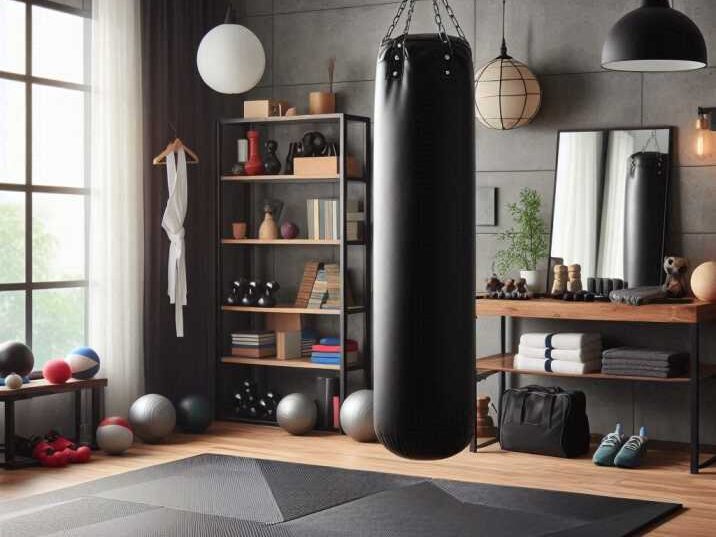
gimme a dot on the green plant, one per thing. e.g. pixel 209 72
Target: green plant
pixel 527 241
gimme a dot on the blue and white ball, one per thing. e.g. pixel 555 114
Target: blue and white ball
pixel 83 362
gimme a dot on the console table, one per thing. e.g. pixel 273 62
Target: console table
pixel 38 388
pixel 693 315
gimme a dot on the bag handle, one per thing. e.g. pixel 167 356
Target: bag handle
pixel 438 20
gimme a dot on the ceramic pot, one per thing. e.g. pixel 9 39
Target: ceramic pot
pixel 536 280
pixel 254 166
pixel 321 102
pixel 238 229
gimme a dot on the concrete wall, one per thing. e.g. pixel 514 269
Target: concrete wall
pixel 561 41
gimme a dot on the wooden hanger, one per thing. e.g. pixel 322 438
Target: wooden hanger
pixel 173 147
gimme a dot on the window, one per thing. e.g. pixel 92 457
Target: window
pixel 44 163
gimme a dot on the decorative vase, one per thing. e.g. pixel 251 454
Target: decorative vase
pixel 321 102
pixel 272 166
pixel 268 230
pixel 536 280
pixel 254 166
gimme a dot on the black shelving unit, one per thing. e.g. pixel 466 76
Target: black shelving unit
pixel 236 201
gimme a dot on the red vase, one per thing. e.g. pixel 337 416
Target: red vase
pixel 254 166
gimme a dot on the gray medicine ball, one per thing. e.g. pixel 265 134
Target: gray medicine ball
pixel 152 417
pixel 357 416
pixel 297 413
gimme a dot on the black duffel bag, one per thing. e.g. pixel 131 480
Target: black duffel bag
pixel 546 421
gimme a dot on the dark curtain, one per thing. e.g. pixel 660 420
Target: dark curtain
pixel 175 95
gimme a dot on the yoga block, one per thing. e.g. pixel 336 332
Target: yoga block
pixel 288 345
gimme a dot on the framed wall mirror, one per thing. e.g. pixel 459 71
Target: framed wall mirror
pixel 611 196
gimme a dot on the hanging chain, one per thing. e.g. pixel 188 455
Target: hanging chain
pixel 396 19
pixel 439 21
pixel 410 17
pixel 453 18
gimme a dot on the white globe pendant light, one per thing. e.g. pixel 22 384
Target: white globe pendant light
pixel 507 93
pixel 230 57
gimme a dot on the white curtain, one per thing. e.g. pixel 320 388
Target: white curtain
pixel 116 200
pixel 611 245
pixel 576 202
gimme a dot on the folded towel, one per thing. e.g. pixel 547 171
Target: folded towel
pixel 587 354
pixel 653 355
pixel 643 373
pixel 351 345
pixel 561 340
pixel 556 366
pixel 642 364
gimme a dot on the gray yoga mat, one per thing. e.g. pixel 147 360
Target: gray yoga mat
pixel 223 496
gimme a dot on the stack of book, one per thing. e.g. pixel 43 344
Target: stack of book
pixel 253 344
pixel 328 351
pixel 319 293
pixel 310 271
pixel 333 287
pixel 323 219
pixel 308 339
pixel 321 287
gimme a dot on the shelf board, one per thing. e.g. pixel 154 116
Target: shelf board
pixel 281 178
pixel 504 362
pixel 290 309
pixel 298 363
pixel 283 242
pixel 549 308
pixel 303 118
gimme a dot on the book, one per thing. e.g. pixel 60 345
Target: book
pixel 355 217
pixel 318 293
pixel 333 286
pixel 262 352
pixel 288 345
pixel 310 271
pixel 335 359
pixel 354 231
pixel 351 345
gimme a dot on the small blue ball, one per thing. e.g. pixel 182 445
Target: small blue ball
pixel 84 363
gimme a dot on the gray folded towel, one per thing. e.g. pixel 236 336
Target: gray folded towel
pixel 623 367
pixel 642 373
pixel 641 354
pixel 642 364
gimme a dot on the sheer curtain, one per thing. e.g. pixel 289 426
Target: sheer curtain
pixel 116 201
pixel 576 203
pixel 611 246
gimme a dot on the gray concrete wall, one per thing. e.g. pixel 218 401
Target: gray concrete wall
pixel 561 41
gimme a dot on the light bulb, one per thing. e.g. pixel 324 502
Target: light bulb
pixel 703 135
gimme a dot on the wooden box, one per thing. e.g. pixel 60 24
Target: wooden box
pixel 264 108
pixel 321 166
pixel 288 345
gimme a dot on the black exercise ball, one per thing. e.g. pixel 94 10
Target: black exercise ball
pixel 15 357
pixel 194 414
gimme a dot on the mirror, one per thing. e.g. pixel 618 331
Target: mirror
pixel 610 203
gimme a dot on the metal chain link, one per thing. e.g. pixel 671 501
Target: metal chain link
pixel 439 21
pixel 396 19
pixel 453 18
pixel 410 17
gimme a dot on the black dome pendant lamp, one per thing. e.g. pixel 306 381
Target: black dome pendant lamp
pixel 654 38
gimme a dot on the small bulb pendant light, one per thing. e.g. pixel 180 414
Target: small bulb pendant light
pixel 507 94
pixel 654 37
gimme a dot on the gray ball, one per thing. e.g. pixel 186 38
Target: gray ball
pixel 297 413
pixel 357 416
pixel 152 417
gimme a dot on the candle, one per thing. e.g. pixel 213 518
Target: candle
pixel 243 149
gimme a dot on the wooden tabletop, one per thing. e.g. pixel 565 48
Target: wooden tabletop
pixel 550 308
pixel 41 387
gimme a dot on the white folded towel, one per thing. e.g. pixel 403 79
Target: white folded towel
pixel 586 354
pixel 560 340
pixel 556 366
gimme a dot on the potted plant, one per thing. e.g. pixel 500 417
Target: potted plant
pixel 324 102
pixel 526 241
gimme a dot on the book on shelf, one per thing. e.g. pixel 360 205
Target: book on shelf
pixel 319 291
pixel 323 218
pixel 354 231
pixel 333 286
pixel 255 352
pixel 310 271
pixel 335 359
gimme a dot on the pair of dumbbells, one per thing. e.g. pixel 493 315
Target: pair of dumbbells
pixel 601 287
pixel 245 292
pixel 248 404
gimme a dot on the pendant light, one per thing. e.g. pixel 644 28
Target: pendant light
pixel 654 37
pixel 507 94
pixel 230 57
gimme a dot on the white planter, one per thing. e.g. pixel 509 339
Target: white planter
pixel 536 280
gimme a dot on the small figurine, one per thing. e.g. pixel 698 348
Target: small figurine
pixel 675 286
pixel 509 287
pixel 522 291
pixel 493 286
pixel 272 165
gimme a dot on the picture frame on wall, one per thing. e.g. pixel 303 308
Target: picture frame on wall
pixel 486 206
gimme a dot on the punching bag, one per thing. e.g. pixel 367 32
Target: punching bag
pixel 644 218
pixel 423 299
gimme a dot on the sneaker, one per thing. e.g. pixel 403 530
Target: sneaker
pixel 633 451
pixel 609 447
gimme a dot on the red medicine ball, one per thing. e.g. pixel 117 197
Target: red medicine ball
pixel 56 371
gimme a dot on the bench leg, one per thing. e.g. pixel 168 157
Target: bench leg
pixel 9 434
pixel 78 416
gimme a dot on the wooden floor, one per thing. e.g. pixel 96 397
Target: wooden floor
pixel 665 478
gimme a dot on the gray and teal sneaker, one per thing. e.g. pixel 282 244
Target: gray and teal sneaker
pixel 609 447
pixel 633 451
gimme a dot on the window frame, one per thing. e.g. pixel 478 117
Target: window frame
pixel 28 286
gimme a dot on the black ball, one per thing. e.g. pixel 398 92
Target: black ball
pixel 194 414
pixel 15 357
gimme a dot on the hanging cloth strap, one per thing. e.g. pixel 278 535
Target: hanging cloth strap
pixel 173 224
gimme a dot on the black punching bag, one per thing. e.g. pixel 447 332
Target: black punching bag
pixel 644 224
pixel 423 298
